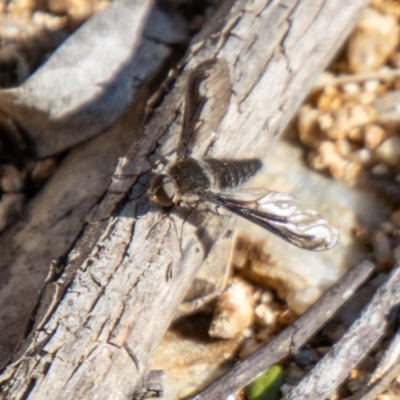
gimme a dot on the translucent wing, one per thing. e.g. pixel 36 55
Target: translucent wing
pixel 207 98
pixel 277 213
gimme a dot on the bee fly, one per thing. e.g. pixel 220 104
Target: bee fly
pixel 215 180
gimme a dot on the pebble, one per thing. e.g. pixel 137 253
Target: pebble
pixel 325 121
pixel 330 99
pixel 371 86
pixel 388 103
pixel 361 115
pixel 355 134
pixel 372 42
pixel 387 226
pixel 380 169
pixel 351 89
pixel 285 388
pixel 233 312
pixel 306 357
pixel 42 170
pixel 357 381
pixel 364 156
pixel 373 136
pixel 267 297
pixel 382 249
pixel 265 316
pixel 334 333
pixel 344 147
pixel 12 180
pixel 294 373
pixel 367 98
pixel 384 397
pixel 287 318
pixel 389 151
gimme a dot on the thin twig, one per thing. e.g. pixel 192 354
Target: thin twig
pixel 387 369
pixel 389 118
pixel 382 75
pixel 292 338
pixel 335 367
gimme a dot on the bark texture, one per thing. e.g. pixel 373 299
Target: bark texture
pixel 101 319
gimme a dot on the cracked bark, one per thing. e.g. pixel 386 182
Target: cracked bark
pixel 118 293
pixel 54 219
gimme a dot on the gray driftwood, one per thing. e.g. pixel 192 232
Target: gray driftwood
pixel 102 319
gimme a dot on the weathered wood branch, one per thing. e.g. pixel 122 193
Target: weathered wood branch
pixel 130 269
pixel 54 219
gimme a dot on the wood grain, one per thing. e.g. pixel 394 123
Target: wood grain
pixel 128 277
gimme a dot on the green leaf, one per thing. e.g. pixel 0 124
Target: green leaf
pixel 267 386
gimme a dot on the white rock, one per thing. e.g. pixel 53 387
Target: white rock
pixel 234 311
pixel 389 150
pixel 373 41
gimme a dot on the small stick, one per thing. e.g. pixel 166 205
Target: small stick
pixel 389 117
pixel 387 369
pixel 335 367
pixel 292 338
pixel 382 75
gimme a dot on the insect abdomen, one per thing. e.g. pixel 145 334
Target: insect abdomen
pixel 228 173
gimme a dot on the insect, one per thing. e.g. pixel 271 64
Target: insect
pixel 217 180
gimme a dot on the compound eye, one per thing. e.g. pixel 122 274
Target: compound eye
pixel 162 190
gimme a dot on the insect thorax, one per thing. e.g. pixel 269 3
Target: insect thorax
pixel 191 176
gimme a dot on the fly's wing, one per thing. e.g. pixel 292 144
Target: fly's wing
pixel 207 99
pixel 277 213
